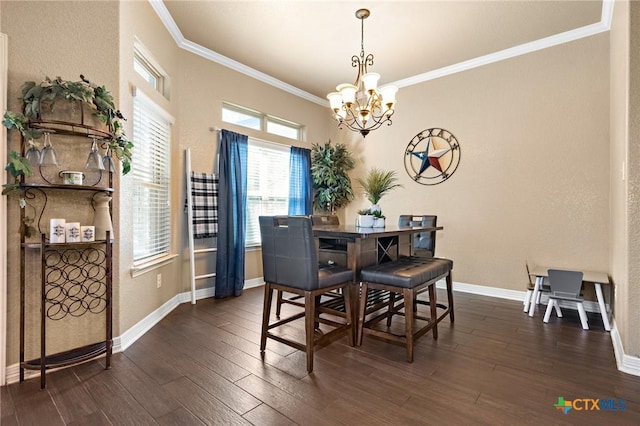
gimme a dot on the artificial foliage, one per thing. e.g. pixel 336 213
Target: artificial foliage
pixel 330 166
pixel 378 182
pixel 38 96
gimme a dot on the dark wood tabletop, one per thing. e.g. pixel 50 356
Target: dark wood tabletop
pixel 353 232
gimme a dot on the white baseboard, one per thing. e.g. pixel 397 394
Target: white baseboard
pixel 503 293
pixel 625 363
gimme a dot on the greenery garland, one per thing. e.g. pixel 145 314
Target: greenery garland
pixel 48 91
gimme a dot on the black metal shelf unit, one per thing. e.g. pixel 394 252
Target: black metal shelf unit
pixel 76 278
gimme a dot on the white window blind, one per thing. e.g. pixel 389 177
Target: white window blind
pixel 267 185
pixel 151 173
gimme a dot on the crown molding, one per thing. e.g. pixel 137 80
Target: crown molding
pixel 190 46
pixel 534 46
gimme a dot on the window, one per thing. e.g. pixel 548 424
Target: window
pixel 252 119
pixel 149 69
pixel 241 117
pixel 267 185
pixel 151 174
pixel 142 68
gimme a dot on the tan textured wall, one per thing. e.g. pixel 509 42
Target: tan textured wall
pixel 533 181
pixel 631 338
pixel 139 296
pixel 619 63
pixel 38 48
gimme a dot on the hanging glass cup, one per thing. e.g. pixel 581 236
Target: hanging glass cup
pixel 48 156
pixel 33 153
pixel 94 161
pixel 107 162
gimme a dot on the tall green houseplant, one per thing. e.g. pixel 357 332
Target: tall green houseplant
pixel 330 165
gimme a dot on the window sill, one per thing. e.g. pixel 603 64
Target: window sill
pixel 151 264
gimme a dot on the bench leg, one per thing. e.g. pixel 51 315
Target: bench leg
pixel 434 312
pixel 361 313
pixel 450 296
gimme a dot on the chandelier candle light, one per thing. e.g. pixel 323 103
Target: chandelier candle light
pixel 363 106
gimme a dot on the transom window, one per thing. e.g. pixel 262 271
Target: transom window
pixel 257 120
pixel 149 69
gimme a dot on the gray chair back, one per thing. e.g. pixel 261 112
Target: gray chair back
pixel 423 242
pixel 289 255
pixel 330 219
pixel 565 283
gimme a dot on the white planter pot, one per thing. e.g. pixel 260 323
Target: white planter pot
pixel 374 208
pixel 364 221
pixel 378 222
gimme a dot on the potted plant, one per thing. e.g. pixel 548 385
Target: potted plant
pixel 330 165
pixel 378 219
pixel 365 219
pixel 376 183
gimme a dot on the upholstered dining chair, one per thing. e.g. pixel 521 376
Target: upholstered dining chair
pixel 424 243
pixel 290 263
pixel 565 285
pixel 328 219
pixel 326 246
pixel 424 248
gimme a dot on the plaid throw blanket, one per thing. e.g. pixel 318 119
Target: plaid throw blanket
pixel 204 197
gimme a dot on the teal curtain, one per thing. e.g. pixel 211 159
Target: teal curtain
pixel 232 202
pixel 300 183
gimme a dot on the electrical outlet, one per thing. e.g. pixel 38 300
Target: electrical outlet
pixel 158 280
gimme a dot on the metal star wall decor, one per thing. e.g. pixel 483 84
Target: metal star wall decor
pixel 432 156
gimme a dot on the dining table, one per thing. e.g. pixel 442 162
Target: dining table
pixel 357 247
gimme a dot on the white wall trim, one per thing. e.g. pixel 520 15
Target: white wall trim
pixel 624 363
pixel 127 338
pixel 604 25
pixel 3 213
pixel 503 293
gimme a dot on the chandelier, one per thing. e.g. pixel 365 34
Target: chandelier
pixel 363 106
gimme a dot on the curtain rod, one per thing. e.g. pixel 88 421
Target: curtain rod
pixel 218 129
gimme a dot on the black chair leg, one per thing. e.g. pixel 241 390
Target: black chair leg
pixel 278 302
pixel 309 320
pixel 266 313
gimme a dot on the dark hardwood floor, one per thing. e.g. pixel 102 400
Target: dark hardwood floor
pixel 202 365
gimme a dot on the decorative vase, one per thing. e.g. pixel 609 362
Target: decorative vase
pixel 378 222
pixel 364 221
pixel 102 217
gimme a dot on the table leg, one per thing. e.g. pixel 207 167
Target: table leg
pixel 603 307
pixel 534 297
